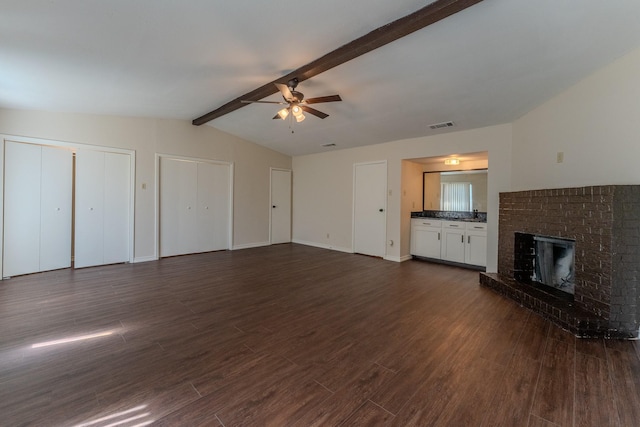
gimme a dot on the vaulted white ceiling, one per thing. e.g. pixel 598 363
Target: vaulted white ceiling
pixel 487 65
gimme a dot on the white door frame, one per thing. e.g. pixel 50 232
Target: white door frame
pixel 159 156
pixel 386 199
pixel 73 146
pixel 271 199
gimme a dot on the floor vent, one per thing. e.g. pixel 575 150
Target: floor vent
pixel 441 125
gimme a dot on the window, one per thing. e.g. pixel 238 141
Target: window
pixel 456 196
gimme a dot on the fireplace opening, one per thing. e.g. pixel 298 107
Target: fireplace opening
pixel 545 261
pixel 554 263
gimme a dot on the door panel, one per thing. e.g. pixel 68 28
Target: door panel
pixel 116 207
pixel 188 241
pixel 56 205
pixel 280 206
pixel 22 175
pixel 370 195
pixel 213 206
pixel 89 208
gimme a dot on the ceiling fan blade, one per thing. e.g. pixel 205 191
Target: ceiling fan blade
pixel 277 116
pixel 244 101
pixel 314 111
pixel 286 92
pixel 319 99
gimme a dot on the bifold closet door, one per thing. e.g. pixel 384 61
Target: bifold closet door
pixel 194 206
pixel 101 208
pixel 213 206
pixel 178 206
pixel 37 208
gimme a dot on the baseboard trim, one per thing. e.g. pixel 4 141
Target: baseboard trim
pixel 136 260
pixel 323 246
pixel 251 245
pixel 398 259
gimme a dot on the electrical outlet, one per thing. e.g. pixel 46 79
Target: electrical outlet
pixel 560 157
pixel 327 235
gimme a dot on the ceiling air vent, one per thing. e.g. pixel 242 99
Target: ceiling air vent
pixel 331 144
pixel 441 125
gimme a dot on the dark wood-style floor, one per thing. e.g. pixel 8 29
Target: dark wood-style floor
pixel 296 336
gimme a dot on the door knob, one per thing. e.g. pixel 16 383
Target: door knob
pixel 274 206
pixel 381 210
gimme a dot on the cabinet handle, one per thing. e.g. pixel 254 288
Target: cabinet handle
pixel 478 227
pixel 454 225
pixel 462 238
pixel 468 239
pixel 438 235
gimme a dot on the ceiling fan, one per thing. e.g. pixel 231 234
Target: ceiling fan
pixel 295 102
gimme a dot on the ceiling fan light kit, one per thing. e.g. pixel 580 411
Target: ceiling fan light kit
pixel 296 104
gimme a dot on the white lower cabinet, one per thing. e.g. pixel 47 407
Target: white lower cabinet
pixel 475 251
pixel 425 237
pixel 455 241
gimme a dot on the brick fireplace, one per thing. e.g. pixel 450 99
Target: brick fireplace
pixel 604 223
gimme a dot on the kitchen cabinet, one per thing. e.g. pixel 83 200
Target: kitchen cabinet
pixel 426 237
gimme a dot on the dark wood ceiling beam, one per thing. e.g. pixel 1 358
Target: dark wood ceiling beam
pixel 379 37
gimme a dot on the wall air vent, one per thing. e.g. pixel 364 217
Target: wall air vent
pixel 441 125
pixel 331 144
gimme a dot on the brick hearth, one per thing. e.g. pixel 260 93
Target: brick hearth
pixel 604 221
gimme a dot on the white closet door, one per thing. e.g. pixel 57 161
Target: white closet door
pixel 169 208
pixel 188 205
pixel 55 208
pixel 116 207
pixel 89 219
pixel 213 206
pixel 102 208
pixel 178 207
pixel 21 208
pixel 195 200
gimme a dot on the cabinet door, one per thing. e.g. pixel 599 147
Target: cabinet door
pixel 453 245
pixel 476 248
pixel 426 242
pixel 55 208
pixel 21 208
pixel 89 208
pixel 117 188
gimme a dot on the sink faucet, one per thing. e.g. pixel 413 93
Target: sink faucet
pixel 475 213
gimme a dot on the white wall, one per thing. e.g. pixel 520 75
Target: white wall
pixel 179 137
pixel 596 124
pixel 323 187
pixel 411 199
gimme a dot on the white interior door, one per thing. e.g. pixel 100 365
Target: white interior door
pixel 37 221
pixel 116 207
pixel 21 208
pixel 195 201
pixel 89 209
pixel 55 206
pixel 213 206
pixel 280 206
pixel 370 206
pixel 102 208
